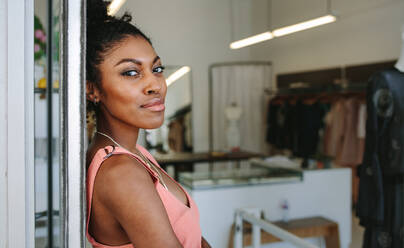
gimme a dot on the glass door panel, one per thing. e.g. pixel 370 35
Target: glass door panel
pixel 46 55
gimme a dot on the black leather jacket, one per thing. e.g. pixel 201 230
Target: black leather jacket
pixel 384 149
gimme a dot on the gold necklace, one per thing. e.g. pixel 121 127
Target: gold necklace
pixel 146 160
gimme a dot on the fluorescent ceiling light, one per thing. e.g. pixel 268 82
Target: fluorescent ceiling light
pixel 177 74
pixel 304 25
pixel 251 40
pixel 114 6
pixel 283 31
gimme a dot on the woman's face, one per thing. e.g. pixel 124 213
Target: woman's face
pixel 133 85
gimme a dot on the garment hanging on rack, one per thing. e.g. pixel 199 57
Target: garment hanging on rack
pixel 188 146
pixel 351 143
pixel 295 126
pixel 380 202
pixel 335 127
pixel 280 129
pixel 180 133
pixel 309 122
pixel 176 135
pixel 362 115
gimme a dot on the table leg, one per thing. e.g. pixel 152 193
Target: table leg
pixel 332 240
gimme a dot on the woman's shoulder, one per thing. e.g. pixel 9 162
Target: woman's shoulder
pixel 121 161
pixel 123 164
pixel 122 171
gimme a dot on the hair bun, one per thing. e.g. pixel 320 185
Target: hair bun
pixel 97 12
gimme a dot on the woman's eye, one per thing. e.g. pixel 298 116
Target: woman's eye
pixel 159 69
pixel 130 73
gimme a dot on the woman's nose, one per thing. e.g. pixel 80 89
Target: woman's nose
pixel 153 85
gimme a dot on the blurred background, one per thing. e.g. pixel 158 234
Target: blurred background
pixel 266 108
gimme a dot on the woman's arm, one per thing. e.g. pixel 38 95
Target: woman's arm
pixel 205 244
pixel 126 189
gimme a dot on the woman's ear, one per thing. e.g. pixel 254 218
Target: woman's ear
pixel 92 92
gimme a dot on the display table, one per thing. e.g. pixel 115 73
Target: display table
pixel 325 193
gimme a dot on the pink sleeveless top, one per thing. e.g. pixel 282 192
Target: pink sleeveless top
pixel 184 220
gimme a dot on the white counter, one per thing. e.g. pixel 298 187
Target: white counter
pixel 324 193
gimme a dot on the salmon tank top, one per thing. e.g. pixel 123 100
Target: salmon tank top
pixel 183 219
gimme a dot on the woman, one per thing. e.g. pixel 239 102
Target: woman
pixel 131 201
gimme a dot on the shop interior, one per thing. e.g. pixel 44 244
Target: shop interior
pixel 277 128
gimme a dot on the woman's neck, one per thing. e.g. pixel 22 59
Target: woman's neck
pixel 126 136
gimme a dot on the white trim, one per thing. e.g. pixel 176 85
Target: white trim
pixel 17 124
pixel 3 125
pixel 29 110
pixel 73 121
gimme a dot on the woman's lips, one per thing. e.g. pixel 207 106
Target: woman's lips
pixel 154 105
pixel 158 107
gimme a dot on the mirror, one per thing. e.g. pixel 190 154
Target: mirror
pixel 175 135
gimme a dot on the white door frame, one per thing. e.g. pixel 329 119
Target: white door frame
pixel 17 219
pixel 73 122
pixel 17 208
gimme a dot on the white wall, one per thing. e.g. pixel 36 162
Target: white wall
pixel 196 33
pixel 16 124
pixel 3 126
pixel 366 31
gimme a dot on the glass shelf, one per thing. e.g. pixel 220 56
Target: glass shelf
pixel 253 175
pixel 43 90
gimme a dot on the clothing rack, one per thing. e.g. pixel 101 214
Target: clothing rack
pixel 330 89
pixel 324 94
pixel 341 79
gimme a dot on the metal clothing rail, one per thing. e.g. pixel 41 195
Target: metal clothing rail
pixel 331 89
pixel 258 224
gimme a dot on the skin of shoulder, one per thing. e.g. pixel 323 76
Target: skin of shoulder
pixel 127 190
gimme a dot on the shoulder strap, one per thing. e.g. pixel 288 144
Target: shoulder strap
pixel 112 150
pixel 147 155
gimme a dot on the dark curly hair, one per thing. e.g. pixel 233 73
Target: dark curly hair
pixel 104 32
